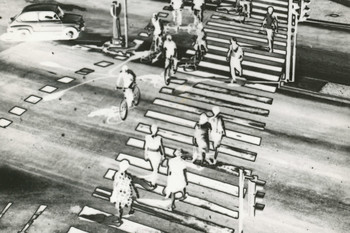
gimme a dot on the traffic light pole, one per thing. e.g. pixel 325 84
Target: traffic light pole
pixel 294 49
pixel 241 199
pixel 126 23
pixel 289 41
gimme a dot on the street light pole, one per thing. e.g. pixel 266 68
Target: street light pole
pixel 126 23
pixel 241 198
pixel 289 38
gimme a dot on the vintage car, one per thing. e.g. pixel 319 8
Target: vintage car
pixel 46 20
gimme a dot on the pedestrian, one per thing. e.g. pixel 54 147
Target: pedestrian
pixel 217 130
pixel 270 24
pixel 235 57
pixel 201 138
pixel 177 178
pixel 154 152
pixel 197 8
pixel 127 81
pixel 124 193
pixel 177 15
pixel 201 42
pixel 157 33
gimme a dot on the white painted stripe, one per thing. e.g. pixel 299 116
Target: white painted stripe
pixel 48 89
pixel 243 137
pixel 101 191
pixel 265 5
pixel 4 122
pixel 33 99
pixel 127 225
pixel 17 111
pixel 166 134
pixel 192 178
pixel 226 41
pixel 248 63
pixel 243 36
pixel 76 230
pixel 169 118
pixel 280 2
pixel 250 54
pixel 65 80
pixel 211 23
pixel 261 87
pixel 281 23
pixel 281 15
pixel 140 144
pixel 245 72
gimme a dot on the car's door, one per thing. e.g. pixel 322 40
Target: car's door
pixel 50 22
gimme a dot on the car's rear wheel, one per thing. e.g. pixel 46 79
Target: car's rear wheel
pixel 71 33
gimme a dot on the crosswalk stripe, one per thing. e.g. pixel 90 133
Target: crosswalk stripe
pixel 226 41
pixel 3 212
pixel 243 36
pixel 279 15
pixel 280 21
pixel 192 200
pixel 271 2
pixel 248 63
pixel 232 26
pixel 35 216
pixel 191 177
pixel 227 118
pixel 140 144
pixel 180 137
pixel 265 5
pixel 127 225
pixel 246 72
pixel 76 230
pixel 240 94
pixel 173 119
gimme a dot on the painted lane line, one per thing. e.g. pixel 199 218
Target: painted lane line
pixel 226 41
pixel 282 23
pixel 88 214
pixel 243 36
pixel 223 90
pixel 266 5
pixel 37 213
pixel 173 119
pixel 248 53
pixel 18 111
pixel 191 177
pixel 227 118
pixel 246 72
pixel 279 15
pixel 5 122
pixel 76 230
pixel 234 27
pixel 33 99
pixel 3 212
pixel 48 89
pixel 104 64
pixel 65 80
pixel 247 63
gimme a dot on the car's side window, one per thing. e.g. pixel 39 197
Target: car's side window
pixel 28 17
pixel 48 16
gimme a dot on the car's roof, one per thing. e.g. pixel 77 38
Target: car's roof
pixel 41 7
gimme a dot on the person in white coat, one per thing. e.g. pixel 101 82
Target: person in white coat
pixel 177 15
pixel 235 57
pixel 217 130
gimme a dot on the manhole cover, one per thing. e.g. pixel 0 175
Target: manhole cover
pixel 334 15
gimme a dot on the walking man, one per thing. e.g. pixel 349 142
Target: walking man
pixel 235 57
pixel 270 24
pixel 177 15
pixel 217 130
pixel 124 193
pixel 201 138
pixel 200 41
pixel 197 7
pixel 157 33
pixel 154 152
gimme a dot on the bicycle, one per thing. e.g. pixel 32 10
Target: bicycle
pixel 123 106
pixel 170 70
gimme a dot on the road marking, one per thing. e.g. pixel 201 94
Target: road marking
pixel 166 90
pixel 3 212
pixel 144 34
pixel 173 119
pixel 33 99
pixel 163 14
pixel 235 27
pixel 5 122
pixel 243 36
pixel 194 109
pixel 48 89
pixel 76 230
pixel 282 23
pixel 65 79
pixel 227 41
pixel 279 15
pixel 271 2
pixel 88 214
pixel 104 64
pixel 245 71
pixel 84 71
pixel 244 62
pixel 18 111
pixel 141 144
pixel 37 213
pixel 266 5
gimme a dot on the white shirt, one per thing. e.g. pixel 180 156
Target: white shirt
pixel 176 4
pixel 125 79
pixel 198 4
pixel 156 24
pixel 170 47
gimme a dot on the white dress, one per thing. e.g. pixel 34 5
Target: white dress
pixel 153 144
pixel 176 179
pixel 217 131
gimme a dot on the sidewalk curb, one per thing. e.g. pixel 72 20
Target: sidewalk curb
pixel 314 95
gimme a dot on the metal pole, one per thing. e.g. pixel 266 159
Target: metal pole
pixel 241 198
pixel 289 37
pixel 125 24
pixel 294 48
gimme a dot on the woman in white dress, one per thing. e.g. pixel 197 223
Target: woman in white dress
pixel 154 152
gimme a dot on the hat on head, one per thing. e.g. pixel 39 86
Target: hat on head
pixel 216 110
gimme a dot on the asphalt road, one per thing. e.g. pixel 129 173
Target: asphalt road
pixel 55 155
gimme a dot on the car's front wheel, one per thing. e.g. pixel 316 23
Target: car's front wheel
pixel 71 33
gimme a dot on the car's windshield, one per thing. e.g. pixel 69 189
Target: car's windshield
pixel 60 12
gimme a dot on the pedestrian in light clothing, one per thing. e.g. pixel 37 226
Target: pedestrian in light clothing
pixel 154 152
pixel 157 33
pixel 197 7
pixel 235 57
pixel 270 24
pixel 124 193
pixel 217 130
pixel 177 15
pixel 201 138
